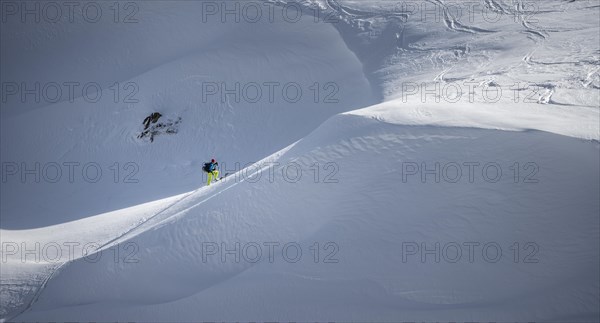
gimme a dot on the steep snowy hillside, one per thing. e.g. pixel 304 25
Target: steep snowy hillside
pixel 386 160
pixel 372 221
pixel 243 90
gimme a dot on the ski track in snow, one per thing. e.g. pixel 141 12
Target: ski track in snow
pixel 164 214
pixel 139 227
pixel 453 24
pixel 351 14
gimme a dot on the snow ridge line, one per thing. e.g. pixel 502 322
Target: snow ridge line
pixel 57 269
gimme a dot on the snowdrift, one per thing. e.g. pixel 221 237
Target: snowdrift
pixel 371 216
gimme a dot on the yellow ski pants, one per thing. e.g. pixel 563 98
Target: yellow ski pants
pixel 214 174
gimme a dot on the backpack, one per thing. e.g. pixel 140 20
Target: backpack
pixel 206 167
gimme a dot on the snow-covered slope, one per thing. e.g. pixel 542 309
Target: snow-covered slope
pixel 369 215
pixel 368 209
pixel 180 83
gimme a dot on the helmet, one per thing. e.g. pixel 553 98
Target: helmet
pixel 212 160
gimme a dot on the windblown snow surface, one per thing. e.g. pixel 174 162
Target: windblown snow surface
pixel 446 170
